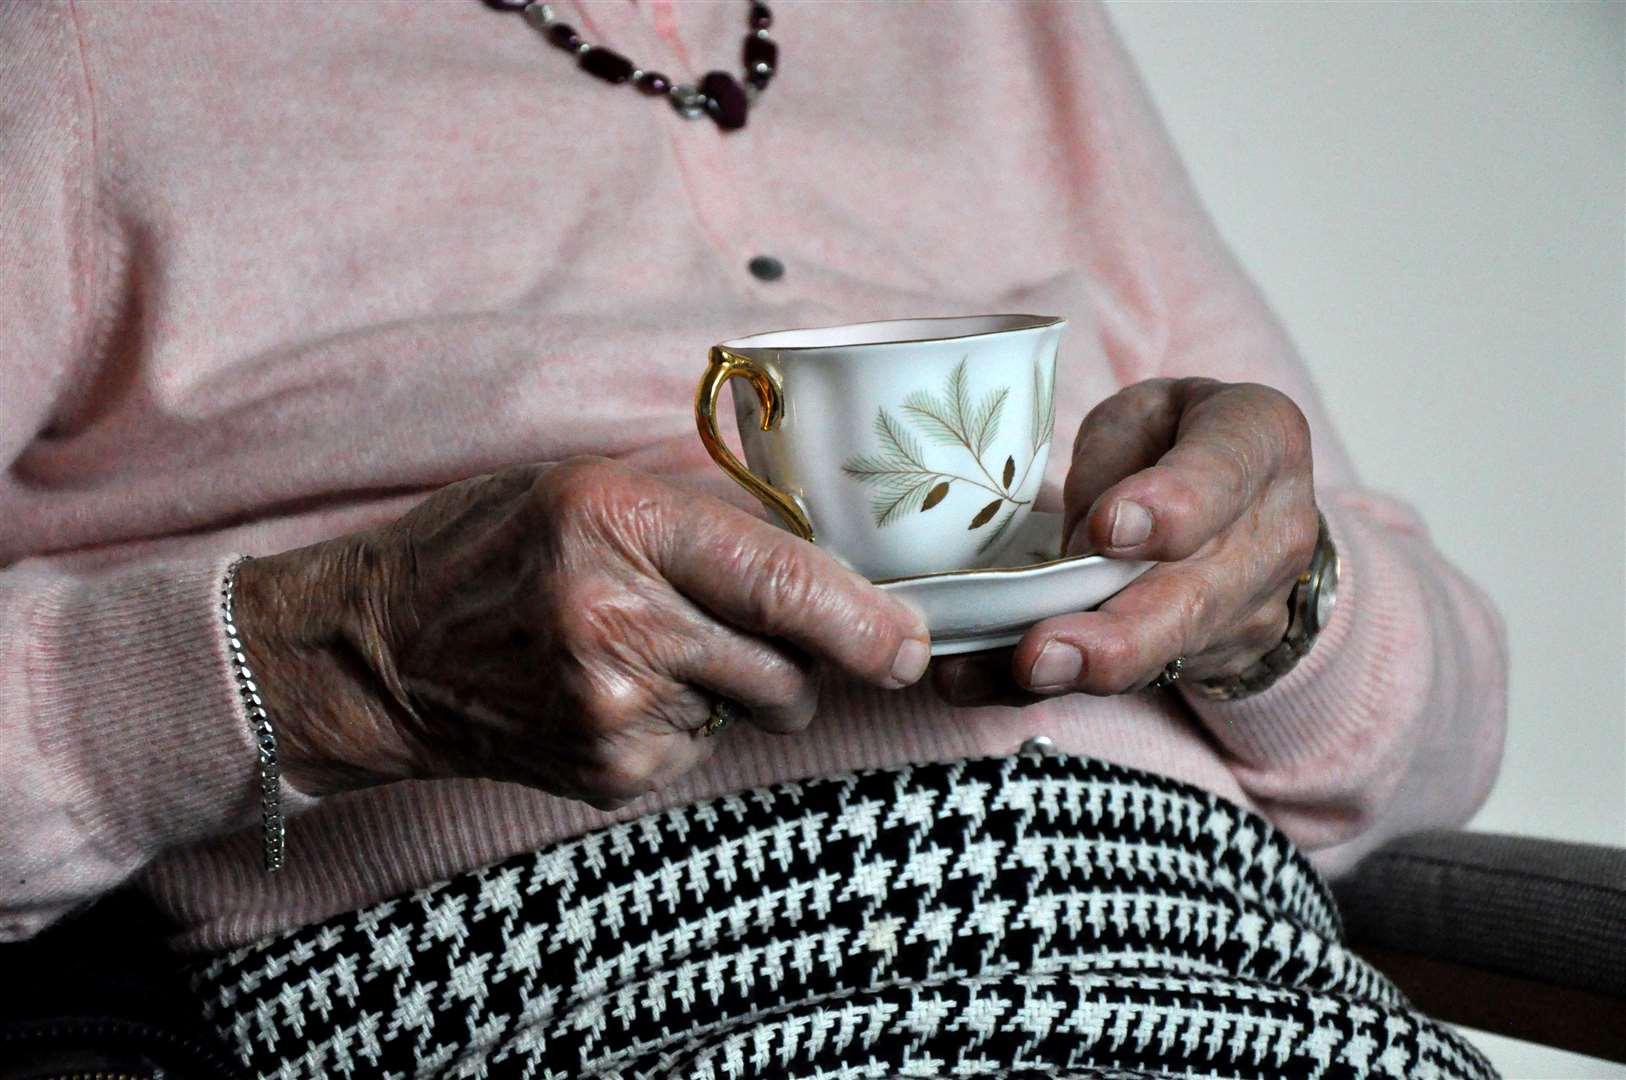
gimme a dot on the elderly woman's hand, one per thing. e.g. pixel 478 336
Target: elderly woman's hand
pixel 564 626
pixel 1213 481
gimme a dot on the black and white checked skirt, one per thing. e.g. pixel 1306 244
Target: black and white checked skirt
pixel 1040 915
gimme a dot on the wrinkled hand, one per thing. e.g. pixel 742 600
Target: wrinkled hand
pixel 1210 479
pixel 561 626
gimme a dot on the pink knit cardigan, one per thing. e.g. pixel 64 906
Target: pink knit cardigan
pixel 266 280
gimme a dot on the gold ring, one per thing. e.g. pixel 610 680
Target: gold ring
pixel 723 713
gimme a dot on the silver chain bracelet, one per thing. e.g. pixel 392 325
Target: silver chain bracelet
pixel 264 737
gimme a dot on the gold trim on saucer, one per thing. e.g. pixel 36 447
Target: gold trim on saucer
pixel 723 366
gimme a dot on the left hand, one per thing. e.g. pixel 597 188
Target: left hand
pixel 1210 479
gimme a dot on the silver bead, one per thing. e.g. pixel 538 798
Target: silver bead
pixel 539 16
pixel 583 47
pixel 1039 744
pixel 688 101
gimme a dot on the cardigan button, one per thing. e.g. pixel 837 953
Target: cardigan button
pixel 766 268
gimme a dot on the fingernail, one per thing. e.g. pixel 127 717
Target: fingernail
pixel 1131 524
pixel 910 663
pixel 1058 665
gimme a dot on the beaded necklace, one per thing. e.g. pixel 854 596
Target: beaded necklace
pixel 719 95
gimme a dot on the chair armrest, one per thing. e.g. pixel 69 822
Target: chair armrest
pixel 1537 909
pixel 1520 936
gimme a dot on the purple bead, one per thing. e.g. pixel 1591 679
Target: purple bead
pixel 653 82
pixel 507 5
pixel 564 35
pixel 725 99
pixel 761 59
pixel 607 65
pixel 761 17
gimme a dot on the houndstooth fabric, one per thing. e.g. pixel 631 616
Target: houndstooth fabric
pixel 1034 916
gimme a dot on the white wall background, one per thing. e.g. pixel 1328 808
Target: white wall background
pixel 1432 196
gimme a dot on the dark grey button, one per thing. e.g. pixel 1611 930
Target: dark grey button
pixel 766 268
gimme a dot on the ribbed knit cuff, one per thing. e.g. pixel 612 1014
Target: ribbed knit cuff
pixel 1371 654
pixel 135 706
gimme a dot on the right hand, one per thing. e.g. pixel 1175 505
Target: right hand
pixel 565 626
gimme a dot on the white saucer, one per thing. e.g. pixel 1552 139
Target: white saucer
pixel 969 610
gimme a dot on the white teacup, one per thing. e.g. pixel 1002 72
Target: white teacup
pixel 906 447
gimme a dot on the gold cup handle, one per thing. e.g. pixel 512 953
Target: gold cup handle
pixel 722 367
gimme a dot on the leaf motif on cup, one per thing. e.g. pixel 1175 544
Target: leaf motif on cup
pixel 899 473
pixel 904 478
pixel 986 514
pixel 1044 408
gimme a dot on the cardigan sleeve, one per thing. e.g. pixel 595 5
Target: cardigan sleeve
pixel 1394 722
pixel 120 729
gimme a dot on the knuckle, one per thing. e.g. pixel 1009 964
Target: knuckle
pixel 599 621
pixel 794 594
pixel 1235 466
pixel 1197 606
pixel 1292 428
pixel 621 777
pixel 797 718
pixel 1286 428
pixel 513 478
pixel 1102 414
pixel 802 708
pixel 1180 502
pixel 1148 391
pixel 784 687
pixel 1192 387
pixel 576 479
pixel 568 495
pixel 1152 399
pixel 785 585
pixel 599 511
pixel 1114 666
pixel 611 705
pixel 1133 403
pixel 594 489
